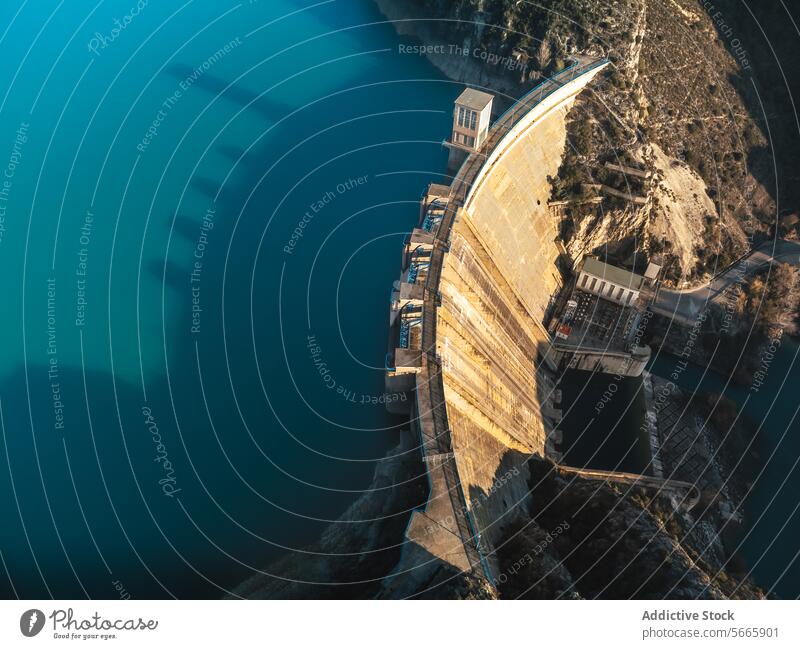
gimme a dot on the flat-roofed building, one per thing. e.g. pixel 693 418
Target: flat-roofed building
pixel 653 269
pixel 609 282
pixel 471 118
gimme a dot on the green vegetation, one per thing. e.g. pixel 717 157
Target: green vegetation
pixel 735 331
pixel 533 27
pixel 771 298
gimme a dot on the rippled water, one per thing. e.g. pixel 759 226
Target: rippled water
pixel 187 385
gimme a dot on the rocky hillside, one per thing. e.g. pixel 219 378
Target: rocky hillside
pixel 660 159
pixel 579 539
pixel 590 540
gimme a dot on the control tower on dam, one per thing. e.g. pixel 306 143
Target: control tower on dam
pixel 472 340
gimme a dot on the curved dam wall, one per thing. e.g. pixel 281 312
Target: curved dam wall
pixel 481 371
pixel 498 279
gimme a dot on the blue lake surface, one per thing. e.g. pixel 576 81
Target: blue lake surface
pixel 165 426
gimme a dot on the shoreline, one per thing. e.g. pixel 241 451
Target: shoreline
pixel 331 568
pixel 470 69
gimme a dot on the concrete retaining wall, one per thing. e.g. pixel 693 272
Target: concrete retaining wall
pixel 497 280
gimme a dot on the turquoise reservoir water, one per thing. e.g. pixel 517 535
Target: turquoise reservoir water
pixel 190 193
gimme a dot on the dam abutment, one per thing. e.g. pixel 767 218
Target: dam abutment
pixel 472 336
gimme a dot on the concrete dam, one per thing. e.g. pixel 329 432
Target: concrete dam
pixel 472 340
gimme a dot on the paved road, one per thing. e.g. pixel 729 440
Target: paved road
pixel 687 304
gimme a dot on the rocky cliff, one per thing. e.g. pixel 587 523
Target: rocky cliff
pixel 587 539
pixel 655 163
pixel 673 107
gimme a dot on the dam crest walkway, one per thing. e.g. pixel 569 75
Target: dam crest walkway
pixel 446 528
